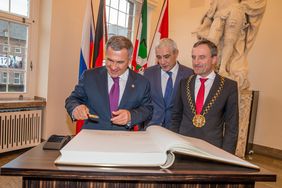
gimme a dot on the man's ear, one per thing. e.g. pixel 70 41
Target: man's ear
pixel 176 52
pixel 214 60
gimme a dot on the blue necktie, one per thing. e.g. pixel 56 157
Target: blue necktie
pixel 168 90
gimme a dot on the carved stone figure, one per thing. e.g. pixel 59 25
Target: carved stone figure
pixel 232 25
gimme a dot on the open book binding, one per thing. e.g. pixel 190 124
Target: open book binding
pixel 154 147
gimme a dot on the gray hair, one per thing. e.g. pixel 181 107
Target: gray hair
pixel 118 43
pixel 167 42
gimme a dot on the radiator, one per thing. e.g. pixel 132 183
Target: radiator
pixel 19 129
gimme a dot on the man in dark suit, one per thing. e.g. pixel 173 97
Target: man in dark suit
pixel 159 77
pixel 206 105
pixel 117 95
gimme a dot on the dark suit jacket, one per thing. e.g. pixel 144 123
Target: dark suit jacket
pixel 221 128
pixel 92 90
pixel 153 74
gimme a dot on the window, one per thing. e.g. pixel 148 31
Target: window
pixel 120 16
pixel 6 48
pixel 16 78
pixel 19 7
pixel 3 77
pixel 15 29
pixel 18 50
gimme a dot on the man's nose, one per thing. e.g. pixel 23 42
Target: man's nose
pixel 113 65
pixel 161 59
pixel 196 60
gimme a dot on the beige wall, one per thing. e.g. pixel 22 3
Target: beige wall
pixel 265 76
pixel 185 15
pixel 64 37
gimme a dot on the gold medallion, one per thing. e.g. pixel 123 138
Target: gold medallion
pixel 199 120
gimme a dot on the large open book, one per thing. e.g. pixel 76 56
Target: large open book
pixel 154 147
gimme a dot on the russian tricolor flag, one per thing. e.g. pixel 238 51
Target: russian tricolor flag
pixel 87 47
pixel 87 41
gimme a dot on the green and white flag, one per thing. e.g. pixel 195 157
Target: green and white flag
pixel 139 59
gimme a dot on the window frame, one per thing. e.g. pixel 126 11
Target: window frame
pixel 32 50
pixel 5 77
pixel 18 48
pixel 18 78
pixel 135 17
pixel 6 48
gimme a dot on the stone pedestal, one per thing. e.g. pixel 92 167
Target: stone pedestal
pixel 245 101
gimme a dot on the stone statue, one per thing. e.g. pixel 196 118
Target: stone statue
pixel 232 25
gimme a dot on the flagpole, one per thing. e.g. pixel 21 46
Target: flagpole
pixel 92 12
pixel 140 15
pixel 90 63
pixel 105 23
pixel 162 12
pixel 135 49
pixel 99 37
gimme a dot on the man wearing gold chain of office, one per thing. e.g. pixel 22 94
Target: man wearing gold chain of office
pixel 206 105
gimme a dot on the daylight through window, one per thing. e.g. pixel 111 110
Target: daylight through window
pixel 120 15
pixel 13 45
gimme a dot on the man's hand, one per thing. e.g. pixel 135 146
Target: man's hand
pixel 121 117
pixel 80 112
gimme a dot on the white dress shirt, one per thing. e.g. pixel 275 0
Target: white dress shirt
pixel 122 83
pixel 165 76
pixel 208 84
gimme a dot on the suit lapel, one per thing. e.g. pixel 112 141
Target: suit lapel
pixel 192 89
pixel 158 83
pixel 129 89
pixel 177 80
pixel 214 88
pixel 103 89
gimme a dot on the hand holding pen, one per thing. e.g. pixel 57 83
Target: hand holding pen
pixel 81 112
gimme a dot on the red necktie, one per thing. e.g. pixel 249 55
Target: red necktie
pixel 201 96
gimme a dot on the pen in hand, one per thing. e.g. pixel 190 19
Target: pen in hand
pixel 93 116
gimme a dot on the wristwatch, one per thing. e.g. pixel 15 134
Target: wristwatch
pixel 128 125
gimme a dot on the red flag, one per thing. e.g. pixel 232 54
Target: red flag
pixel 87 45
pixel 99 36
pixel 161 32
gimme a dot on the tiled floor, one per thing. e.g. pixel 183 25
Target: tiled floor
pixel 273 165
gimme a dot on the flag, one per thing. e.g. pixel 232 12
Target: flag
pixel 139 59
pixel 99 36
pixel 87 47
pixel 161 32
pixel 92 52
pixel 87 42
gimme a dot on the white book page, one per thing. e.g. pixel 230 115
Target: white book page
pixel 112 148
pixel 209 151
pixel 170 141
pixel 167 139
pixel 142 148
